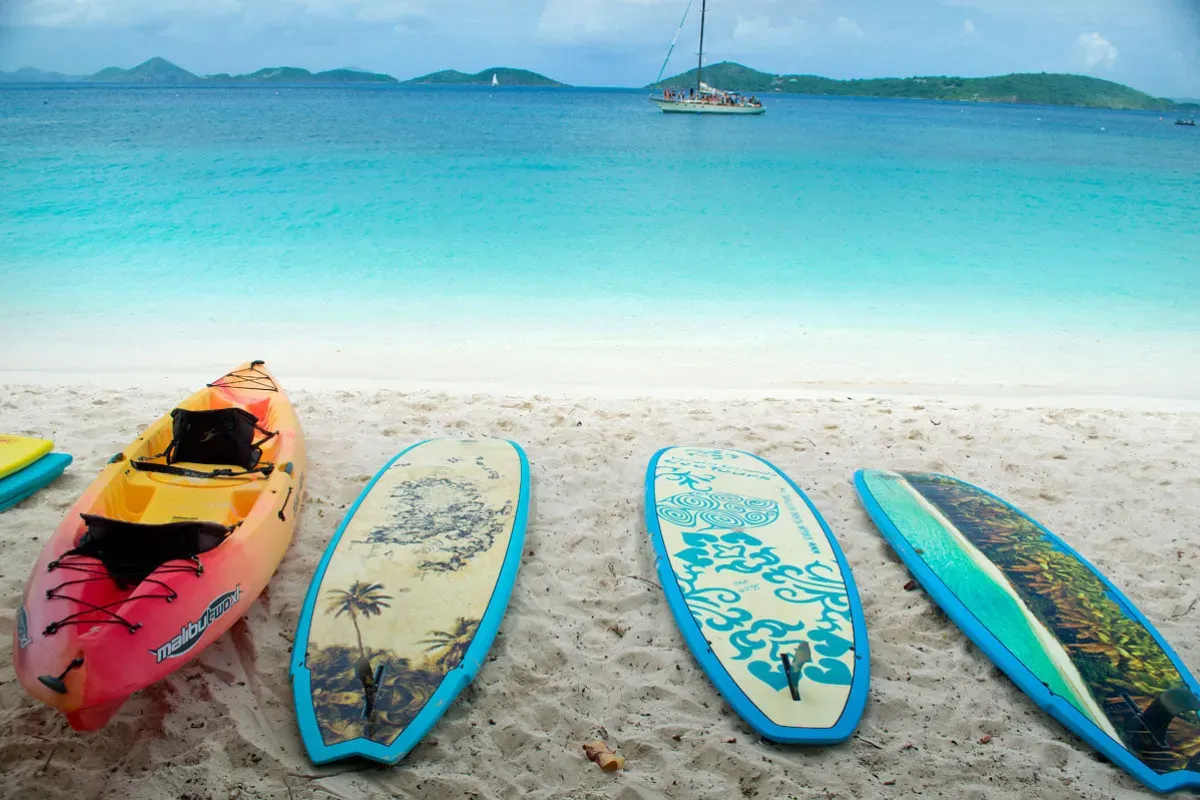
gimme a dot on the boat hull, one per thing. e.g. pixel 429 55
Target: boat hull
pixel 677 107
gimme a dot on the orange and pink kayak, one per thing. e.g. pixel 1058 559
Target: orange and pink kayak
pixel 165 550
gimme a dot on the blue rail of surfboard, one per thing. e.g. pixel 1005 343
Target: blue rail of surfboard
pixel 25 482
pixel 695 639
pixel 1021 675
pixel 454 681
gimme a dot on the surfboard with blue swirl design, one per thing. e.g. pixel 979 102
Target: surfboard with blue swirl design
pixel 760 591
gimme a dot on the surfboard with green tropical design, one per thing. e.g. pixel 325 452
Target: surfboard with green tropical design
pixel 1055 625
pixel 408 597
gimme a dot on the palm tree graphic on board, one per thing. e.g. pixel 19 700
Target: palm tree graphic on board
pixel 453 644
pixel 362 598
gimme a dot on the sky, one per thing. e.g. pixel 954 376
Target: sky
pixel 1153 45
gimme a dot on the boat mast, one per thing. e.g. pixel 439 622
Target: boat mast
pixel 700 63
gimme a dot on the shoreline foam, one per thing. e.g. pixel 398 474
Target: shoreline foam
pixel 758 360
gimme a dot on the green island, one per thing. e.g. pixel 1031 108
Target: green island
pixel 298 75
pixel 1025 88
pixel 505 75
pixel 159 71
pixel 31 75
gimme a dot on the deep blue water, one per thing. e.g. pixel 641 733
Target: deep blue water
pixel 566 207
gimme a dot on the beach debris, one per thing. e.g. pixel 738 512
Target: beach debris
pixel 987 737
pixel 890 782
pixel 731 740
pixel 646 581
pixel 910 586
pixel 604 756
pixel 1186 610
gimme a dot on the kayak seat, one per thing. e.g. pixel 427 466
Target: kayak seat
pixel 130 551
pixel 214 436
pixel 222 437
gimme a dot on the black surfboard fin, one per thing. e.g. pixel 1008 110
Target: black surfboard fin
pixel 370 680
pixel 793 666
pixel 1166 707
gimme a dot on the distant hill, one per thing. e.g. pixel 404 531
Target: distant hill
pixel 161 71
pixel 31 75
pixel 506 75
pixel 1032 88
pixel 156 70
pixel 299 75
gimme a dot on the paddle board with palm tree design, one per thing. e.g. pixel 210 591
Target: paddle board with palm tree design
pixel 422 568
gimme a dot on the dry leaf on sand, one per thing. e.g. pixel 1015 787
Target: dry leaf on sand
pixel 604 755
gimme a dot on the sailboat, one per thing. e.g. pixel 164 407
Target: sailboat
pixel 702 98
pixel 495 80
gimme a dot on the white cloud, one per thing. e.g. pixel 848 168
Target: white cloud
pixel 1094 51
pixel 130 13
pixel 968 28
pixel 574 21
pixel 1039 7
pixel 848 28
pixel 394 11
pixel 1132 13
pixel 759 32
pixel 115 13
pixel 567 21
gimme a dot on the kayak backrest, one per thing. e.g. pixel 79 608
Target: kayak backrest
pixel 214 436
pixel 130 551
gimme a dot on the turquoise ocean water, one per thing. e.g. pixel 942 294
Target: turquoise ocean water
pixel 259 205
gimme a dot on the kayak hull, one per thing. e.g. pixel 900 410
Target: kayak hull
pixel 83 643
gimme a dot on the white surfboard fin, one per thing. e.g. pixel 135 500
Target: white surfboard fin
pixel 793 667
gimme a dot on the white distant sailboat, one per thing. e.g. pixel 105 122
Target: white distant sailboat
pixel 702 99
pixel 495 80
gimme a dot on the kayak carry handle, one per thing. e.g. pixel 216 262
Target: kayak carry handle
pixel 55 683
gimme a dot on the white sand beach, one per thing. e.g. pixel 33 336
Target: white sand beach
pixel 589 649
